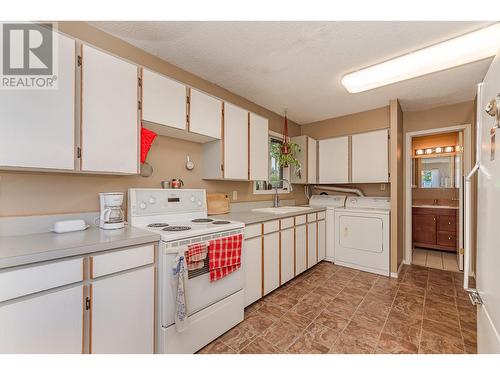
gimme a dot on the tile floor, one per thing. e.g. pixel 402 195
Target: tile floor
pixel 332 309
pixel 441 260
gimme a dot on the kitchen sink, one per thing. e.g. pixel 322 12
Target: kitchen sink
pixel 281 210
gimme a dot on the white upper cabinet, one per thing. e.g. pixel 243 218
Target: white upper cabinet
pixel 370 157
pixel 110 129
pixel 333 160
pixel 37 127
pixel 235 142
pixel 312 149
pixel 205 114
pixel 163 100
pixel 259 147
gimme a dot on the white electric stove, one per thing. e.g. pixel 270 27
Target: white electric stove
pixel 180 217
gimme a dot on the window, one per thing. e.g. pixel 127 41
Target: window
pixel 276 173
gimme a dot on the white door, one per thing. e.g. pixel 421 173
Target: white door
pixel 110 128
pixel 333 160
pixel 321 240
pixel 370 157
pixel 122 309
pixel 300 249
pixel 163 100
pixel 299 175
pixel 205 114
pixel 287 255
pixel 271 262
pixel 253 269
pixel 259 148
pixel 49 323
pixel 488 217
pixel 235 142
pixel 37 127
pixel 312 254
pixel 311 160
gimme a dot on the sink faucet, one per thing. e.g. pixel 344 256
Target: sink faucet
pixel 276 199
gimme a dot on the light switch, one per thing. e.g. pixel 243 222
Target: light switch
pixel 235 195
pixel 382 187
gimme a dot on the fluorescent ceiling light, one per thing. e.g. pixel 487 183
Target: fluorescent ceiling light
pixel 464 49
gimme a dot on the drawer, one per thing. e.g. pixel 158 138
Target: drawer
pixel 448 239
pixel 311 217
pixel 447 223
pixel 271 226
pixel 23 281
pixel 321 215
pixel 253 230
pixel 301 219
pixel 121 260
pixel 287 223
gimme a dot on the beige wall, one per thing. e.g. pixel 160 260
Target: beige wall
pixel 27 193
pixel 350 124
pixel 397 185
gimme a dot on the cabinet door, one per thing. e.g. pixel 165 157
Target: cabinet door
pixel 287 255
pixel 259 148
pixel 37 127
pixel 253 269
pixel 110 129
pixel 235 142
pixel 424 228
pixel 123 313
pixel 271 262
pixel 312 250
pixel 311 160
pixel 321 240
pixel 299 176
pixel 163 100
pixel 300 249
pixel 370 157
pixel 49 323
pixel 205 114
pixel 333 160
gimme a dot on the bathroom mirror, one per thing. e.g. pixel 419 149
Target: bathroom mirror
pixel 436 172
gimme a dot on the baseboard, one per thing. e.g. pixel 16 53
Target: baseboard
pixel 396 274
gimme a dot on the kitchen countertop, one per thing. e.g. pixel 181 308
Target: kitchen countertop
pixel 435 206
pixel 32 248
pixel 252 217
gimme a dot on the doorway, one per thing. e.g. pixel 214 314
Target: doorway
pixel 436 162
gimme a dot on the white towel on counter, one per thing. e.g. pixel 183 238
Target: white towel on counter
pixel 180 272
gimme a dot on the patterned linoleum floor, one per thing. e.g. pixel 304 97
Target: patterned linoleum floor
pixel 332 309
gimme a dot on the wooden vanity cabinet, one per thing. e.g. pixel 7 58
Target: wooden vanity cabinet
pixel 435 228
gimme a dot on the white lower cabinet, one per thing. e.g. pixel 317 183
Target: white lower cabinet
pixel 287 255
pixel 271 262
pixel 300 249
pixel 312 255
pixel 123 313
pixel 321 240
pixel 49 323
pixel 253 269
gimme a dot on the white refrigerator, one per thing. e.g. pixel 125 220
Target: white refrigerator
pixel 487 168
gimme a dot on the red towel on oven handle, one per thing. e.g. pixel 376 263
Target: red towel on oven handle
pixel 224 255
pixel 196 253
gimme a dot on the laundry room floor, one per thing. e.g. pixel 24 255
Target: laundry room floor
pixel 332 309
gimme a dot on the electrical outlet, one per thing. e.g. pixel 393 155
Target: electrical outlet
pixel 235 195
pixel 382 187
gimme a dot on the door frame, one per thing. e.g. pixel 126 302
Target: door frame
pixel 467 163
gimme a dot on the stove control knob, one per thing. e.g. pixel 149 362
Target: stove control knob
pixel 152 200
pixel 142 205
pixel 192 198
pixel 199 203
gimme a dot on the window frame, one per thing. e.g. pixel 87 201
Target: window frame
pixel 286 171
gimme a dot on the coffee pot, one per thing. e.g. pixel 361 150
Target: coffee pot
pixel 111 216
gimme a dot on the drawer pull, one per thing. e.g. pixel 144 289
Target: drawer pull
pixel 449 237
pixel 449 222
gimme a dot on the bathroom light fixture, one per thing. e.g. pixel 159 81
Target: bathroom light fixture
pixel 428 151
pixel 438 150
pixel 467 48
pixel 419 152
pixel 449 149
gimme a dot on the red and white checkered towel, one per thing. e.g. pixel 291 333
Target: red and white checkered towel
pixel 224 256
pixel 195 256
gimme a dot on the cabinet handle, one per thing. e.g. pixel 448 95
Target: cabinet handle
pixel 449 237
pixel 449 222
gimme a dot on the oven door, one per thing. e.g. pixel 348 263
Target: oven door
pixel 200 291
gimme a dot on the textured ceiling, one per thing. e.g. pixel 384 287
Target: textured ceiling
pixel 298 65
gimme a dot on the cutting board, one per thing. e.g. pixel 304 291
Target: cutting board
pixel 218 203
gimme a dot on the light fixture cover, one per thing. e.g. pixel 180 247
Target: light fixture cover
pixel 419 152
pixel 474 46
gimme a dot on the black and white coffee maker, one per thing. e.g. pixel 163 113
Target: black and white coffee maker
pixel 111 216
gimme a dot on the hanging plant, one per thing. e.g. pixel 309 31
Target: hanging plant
pixel 286 159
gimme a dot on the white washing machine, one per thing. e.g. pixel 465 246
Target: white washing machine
pixel 362 234
pixel 331 203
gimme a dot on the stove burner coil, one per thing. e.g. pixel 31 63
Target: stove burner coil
pixel 202 220
pixel 219 222
pixel 176 228
pixel 157 225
